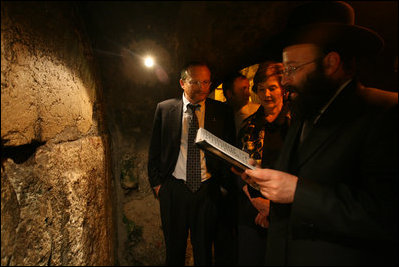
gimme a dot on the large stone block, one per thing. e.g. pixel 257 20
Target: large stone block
pixel 47 86
pixel 60 212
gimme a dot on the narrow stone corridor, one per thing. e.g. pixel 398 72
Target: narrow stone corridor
pixel 77 106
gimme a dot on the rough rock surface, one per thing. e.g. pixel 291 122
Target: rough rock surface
pixel 56 206
pixel 53 203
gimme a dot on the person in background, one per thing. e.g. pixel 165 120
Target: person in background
pixel 262 136
pixel 236 91
pixel 185 180
pixel 334 188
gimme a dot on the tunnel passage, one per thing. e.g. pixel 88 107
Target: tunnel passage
pixel 73 80
pixel 230 36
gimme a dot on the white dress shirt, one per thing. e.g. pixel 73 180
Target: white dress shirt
pixel 180 169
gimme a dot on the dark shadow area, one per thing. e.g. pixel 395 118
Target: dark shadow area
pixel 19 154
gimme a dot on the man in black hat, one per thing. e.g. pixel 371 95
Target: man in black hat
pixel 334 192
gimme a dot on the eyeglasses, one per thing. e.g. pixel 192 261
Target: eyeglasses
pixel 290 70
pixel 198 83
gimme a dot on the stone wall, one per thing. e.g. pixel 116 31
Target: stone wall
pixel 56 205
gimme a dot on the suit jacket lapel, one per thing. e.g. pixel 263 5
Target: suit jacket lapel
pixel 175 116
pixel 289 146
pixel 210 119
pixel 329 124
pixel 319 135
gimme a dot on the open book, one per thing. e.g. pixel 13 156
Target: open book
pixel 223 150
pixel 213 144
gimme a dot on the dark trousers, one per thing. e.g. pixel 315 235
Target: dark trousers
pixel 252 238
pixel 183 210
pixel 225 246
pixel 251 245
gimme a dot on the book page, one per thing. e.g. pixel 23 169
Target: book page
pixel 227 149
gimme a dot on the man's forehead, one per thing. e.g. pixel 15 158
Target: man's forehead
pixel 298 52
pixel 197 69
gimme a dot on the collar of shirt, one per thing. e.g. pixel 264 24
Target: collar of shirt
pixel 331 100
pixel 186 102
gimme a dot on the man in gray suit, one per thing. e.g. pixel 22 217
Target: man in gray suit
pixel 187 205
pixel 334 192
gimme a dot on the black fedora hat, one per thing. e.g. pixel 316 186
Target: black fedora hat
pixel 331 24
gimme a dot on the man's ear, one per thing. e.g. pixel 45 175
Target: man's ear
pixel 332 63
pixel 181 83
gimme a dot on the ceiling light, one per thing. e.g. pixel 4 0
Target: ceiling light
pixel 149 62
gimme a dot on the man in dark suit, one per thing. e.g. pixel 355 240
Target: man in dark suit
pixel 183 205
pixel 334 192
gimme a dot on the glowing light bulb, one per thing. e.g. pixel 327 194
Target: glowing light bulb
pixel 149 62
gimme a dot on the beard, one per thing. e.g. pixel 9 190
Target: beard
pixel 312 94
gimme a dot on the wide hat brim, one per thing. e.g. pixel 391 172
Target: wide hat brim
pixel 330 24
pixel 354 39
